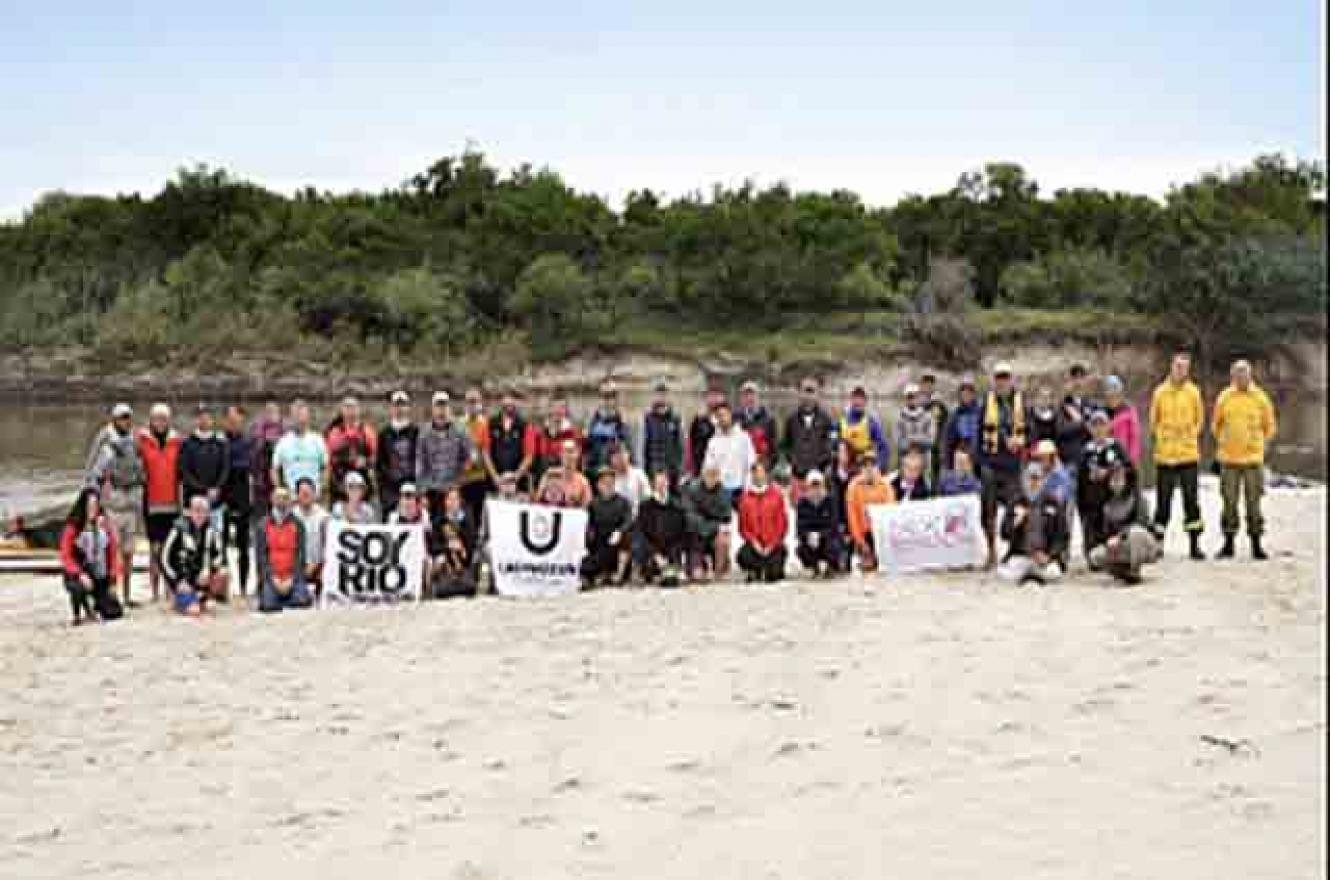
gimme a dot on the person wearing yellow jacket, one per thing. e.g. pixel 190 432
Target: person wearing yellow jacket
pixel 1177 418
pixel 1244 421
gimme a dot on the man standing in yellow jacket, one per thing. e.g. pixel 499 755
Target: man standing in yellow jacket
pixel 1177 418
pixel 1244 421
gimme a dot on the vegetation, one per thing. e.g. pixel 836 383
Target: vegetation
pixel 463 257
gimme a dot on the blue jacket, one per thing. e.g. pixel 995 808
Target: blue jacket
pixel 956 483
pixel 963 428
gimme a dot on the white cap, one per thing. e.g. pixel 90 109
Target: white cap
pixel 407 489
pixel 1045 447
pixel 121 410
pixel 911 389
pixel 1002 368
pixel 399 396
pixel 749 385
pixel 160 409
pixel 815 476
pixel 440 397
pixel 354 479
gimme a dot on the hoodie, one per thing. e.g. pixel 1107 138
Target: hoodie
pixel 442 455
pixel 809 441
pixel 205 463
pixel 915 427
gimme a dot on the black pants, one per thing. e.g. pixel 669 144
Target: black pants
pixel 828 550
pixel 602 560
pixel 769 568
pixel 239 527
pixel 473 498
pixel 95 603
pixel 1174 476
pixel 1000 488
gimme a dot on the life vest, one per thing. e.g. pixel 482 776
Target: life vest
pixel 858 436
pixel 993 422
pixel 283 541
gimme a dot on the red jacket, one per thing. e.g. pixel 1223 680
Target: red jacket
pixel 69 561
pixel 549 447
pixel 161 464
pixel 762 517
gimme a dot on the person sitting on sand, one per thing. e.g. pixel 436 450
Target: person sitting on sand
pixel 910 483
pixel 91 560
pixel 1091 476
pixel 709 510
pixel 1131 539
pixel 279 554
pixel 662 523
pixel 356 507
pixel 818 527
pixel 609 525
pixel 763 525
pixel 452 548
pixel 960 478
pixel 1037 534
pixel 565 486
pixel 193 560
pixel 866 489
pixel 314 519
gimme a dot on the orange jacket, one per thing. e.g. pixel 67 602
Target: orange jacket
pixel 858 497
pixel 161 464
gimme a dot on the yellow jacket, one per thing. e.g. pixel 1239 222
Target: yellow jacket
pixel 1243 422
pixel 1177 417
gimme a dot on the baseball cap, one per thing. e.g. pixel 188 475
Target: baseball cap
pixel 160 409
pixel 1002 368
pixel 407 489
pixel 121 411
pixel 869 454
pixel 1113 383
pixel 967 381
pixel 354 479
pixel 911 389
pixel 1099 417
pixel 400 397
pixel 202 408
pixel 748 385
pixel 814 476
pixel 605 471
pixel 440 397
pixel 1046 447
pixel 1034 469
pixel 350 400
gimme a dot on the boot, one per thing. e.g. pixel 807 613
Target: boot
pixel 1226 552
pixel 1196 554
pixel 1257 551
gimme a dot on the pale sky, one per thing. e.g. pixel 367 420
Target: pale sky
pixel 878 97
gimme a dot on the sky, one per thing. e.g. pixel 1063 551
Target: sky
pixel 879 97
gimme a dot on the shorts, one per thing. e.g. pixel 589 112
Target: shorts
pixel 159 526
pixel 125 521
pixel 184 599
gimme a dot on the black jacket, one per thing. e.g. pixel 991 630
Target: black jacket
pixel 191 551
pixel 821 517
pixel 606 516
pixel 1072 434
pixel 205 463
pixel 241 454
pixel 662 443
pixel 663 524
pixel 700 432
pixel 762 428
pixel 707 509
pixel 395 462
pixel 810 441
pixel 921 491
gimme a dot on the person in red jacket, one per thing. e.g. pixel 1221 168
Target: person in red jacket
pixel 159 448
pixel 90 559
pixel 558 429
pixel 353 445
pixel 763 524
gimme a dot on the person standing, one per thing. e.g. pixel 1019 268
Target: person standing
pixel 115 469
pixel 1073 426
pixel 662 438
pixel 915 427
pixel 754 418
pixel 558 429
pixel 512 442
pixel 1124 423
pixel 301 454
pixel 237 494
pixel 1099 455
pixel 763 525
pixel 809 439
pixel 205 465
pixel 265 433
pixel 606 430
pixel 443 452
pixel 476 483
pixel 1177 418
pixel 730 451
pixel 1001 452
pixel 861 431
pixel 395 453
pixel 352 447
pixel 963 427
pixel 701 430
pixel 1244 422
pixel 930 401
pixel 159 447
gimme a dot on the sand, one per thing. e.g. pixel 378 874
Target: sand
pixel 935 727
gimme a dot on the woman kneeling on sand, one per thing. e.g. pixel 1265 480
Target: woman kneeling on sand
pixel 90 559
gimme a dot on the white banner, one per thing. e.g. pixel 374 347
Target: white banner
pixel 919 535
pixel 372 563
pixel 536 550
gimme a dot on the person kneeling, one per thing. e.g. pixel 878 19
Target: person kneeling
pixel 91 560
pixel 1036 532
pixel 609 524
pixel 193 561
pixel 708 510
pixel 452 547
pixel 664 528
pixel 1130 537
pixel 816 522
pixel 763 525
pixel 279 552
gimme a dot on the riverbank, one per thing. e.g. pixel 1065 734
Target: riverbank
pixel 938 726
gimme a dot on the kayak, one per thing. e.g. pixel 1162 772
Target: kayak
pixel 16 559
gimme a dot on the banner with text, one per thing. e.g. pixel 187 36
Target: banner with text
pixel 920 535
pixel 372 563
pixel 536 550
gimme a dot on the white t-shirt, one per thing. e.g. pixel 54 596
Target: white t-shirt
pixel 633 485
pixel 733 454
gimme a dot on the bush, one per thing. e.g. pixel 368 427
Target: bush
pixel 1068 279
pixel 558 305
pixel 938 325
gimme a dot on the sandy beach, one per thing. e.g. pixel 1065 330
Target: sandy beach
pixel 942 726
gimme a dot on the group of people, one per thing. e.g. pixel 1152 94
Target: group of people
pixel 663 499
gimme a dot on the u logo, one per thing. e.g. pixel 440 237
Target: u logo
pixel 540 533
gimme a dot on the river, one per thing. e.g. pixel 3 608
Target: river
pixel 42 446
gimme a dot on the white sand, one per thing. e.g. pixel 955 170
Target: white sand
pixel 931 727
